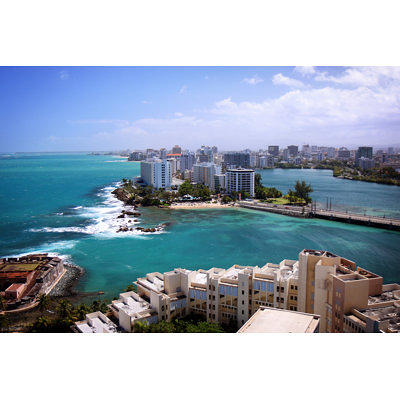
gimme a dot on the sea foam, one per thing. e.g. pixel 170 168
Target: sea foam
pixel 103 217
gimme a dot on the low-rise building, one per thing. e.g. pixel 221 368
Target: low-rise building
pixel 95 322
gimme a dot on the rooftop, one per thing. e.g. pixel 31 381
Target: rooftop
pixel 273 320
pixel 131 303
pixel 96 322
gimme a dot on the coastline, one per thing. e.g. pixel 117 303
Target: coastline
pixel 66 285
pixel 198 205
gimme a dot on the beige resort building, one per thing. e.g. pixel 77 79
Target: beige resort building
pixel 346 298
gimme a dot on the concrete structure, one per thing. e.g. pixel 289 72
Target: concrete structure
pixel 271 320
pixel 95 322
pixel 156 173
pixel 220 182
pixel 204 173
pixel 176 149
pixel 240 179
pixel 319 292
pixel 237 159
pixel 273 150
pixel 187 161
pixel 366 163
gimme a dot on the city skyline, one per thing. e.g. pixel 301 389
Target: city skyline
pixel 109 108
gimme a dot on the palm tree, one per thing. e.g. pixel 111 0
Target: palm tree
pixel 44 302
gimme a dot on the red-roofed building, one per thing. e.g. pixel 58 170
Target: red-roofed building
pixel 15 291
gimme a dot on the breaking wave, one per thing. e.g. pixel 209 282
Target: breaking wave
pixel 103 217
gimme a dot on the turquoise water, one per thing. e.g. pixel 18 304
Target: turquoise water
pixel 354 196
pixel 61 203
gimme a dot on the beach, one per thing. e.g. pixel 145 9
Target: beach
pixel 198 205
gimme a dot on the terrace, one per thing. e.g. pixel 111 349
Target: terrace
pixel 96 322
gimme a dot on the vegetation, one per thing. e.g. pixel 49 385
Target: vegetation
pixel 302 192
pixel 262 192
pixel 226 199
pixel 197 190
pixel 190 324
pixel 145 196
pixel 384 175
pixel 63 315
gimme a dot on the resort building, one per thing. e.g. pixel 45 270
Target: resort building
pixel 240 179
pixel 24 278
pixel 220 182
pixel 156 173
pixel 319 292
pixel 95 322
pixel 272 320
pixel 204 173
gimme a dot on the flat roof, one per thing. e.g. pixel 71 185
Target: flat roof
pixel 272 320
pixel 20 267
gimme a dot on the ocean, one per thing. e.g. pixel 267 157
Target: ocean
pixel 62 203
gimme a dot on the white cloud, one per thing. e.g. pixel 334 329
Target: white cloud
pixel 64 75
pixel 145 102
pixel 280 79
pixel 254 80
pixel 305 71
pixel 183 89
pixel 351 114
pixel 116 122
pixel 363 76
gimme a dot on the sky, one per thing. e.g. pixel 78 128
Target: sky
pixel 112 108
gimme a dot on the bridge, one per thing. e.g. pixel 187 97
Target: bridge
pixel 311 211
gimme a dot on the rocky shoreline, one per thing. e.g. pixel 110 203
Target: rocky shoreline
pixel 66 286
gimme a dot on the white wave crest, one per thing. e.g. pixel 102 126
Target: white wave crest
pixel 104 219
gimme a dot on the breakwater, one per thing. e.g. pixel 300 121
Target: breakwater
pixel 309 212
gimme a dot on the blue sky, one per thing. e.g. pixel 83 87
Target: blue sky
pixel 106 108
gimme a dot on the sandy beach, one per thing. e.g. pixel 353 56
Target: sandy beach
pixel 198 205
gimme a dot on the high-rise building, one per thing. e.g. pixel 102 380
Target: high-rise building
pixel 176 150
pixel 204 173
pixel 237 159
pixel 239 179
pixel 365 152
pixel 366 163
pixel 293 150
pixel 156 173
pixel 163 153
pixel 137 156
pixel 187 161
pixel 273 150
pixel 343 154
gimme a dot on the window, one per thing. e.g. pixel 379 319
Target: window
pixel 291 287
pixel 242 292
pixel 242 302
pixel 282 289
pixel 242 311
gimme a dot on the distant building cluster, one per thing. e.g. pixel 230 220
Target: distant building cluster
pixel 220 171
pixel 23 279
pixel 318 292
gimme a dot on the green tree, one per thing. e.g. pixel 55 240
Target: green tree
pixel 302 191
pixel 44 302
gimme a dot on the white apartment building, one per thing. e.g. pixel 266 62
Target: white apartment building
pixel 156 173
pixel 95 322
pixel 239 179
pixel 204 173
